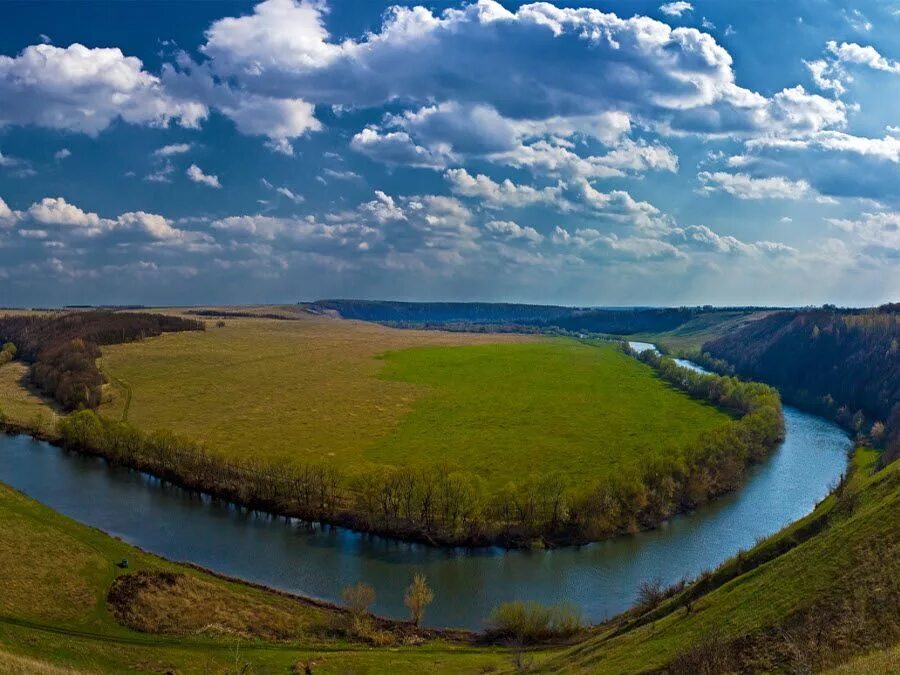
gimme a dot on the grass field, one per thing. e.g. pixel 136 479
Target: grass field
pixel 18 402
pixel 55 575
pixel 508 412
pixel 359 394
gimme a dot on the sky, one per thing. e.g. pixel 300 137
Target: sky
pixel 585 153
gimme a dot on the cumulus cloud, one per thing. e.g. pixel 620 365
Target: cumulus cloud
pixel 278 119
pixel 195 173
pixel 512 230
pixel 499 195
pixel 833 72
pixel 744 186
pixel 67 219
pixel 546 62
pixel 676 8
pixel 397 147
pixel 85 90
pixel 62 154
pixel 7 216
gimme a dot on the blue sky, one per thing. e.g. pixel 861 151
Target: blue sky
pixel 591 153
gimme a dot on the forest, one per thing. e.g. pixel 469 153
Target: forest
pixel 842 363
pixel 507 317
pixel 63 348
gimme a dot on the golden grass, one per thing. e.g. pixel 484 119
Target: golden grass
pixel 886 661
pixel 18 402
pixel 174 603
pixel 292 391
pixel 11 664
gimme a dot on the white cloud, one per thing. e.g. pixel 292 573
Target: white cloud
pixel 512 230
pixel 67 218
pixel 383 208
pixel 500 195
pixel 879 233
pixel 744 186
pixel 886 148
pixel 342 175
pixel 396 147
pixel 285 192
pixel 195 173
pixel 174 149
pixel 57 211
pixel 6 161
pixel 857 20
pixel 278 119
pixel 546 62
pixel 676 8
pixel 832 73
pixel 84 90
pixel 62 154
pixel 852 53
pixel 162 174
pixel 7 215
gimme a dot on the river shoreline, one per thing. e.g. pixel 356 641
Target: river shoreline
pixel 490 534
pixel 319 561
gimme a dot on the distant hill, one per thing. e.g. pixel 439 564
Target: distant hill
pixel 843 362
pixel 439 312
pixel 510 316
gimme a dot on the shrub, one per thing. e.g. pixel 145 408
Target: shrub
pixel 526 622
pixel 358 598
pixel 650 594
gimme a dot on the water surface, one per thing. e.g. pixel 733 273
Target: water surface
pixel 601 578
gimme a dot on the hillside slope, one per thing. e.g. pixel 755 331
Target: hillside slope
pixel 842 363
pixel 813 595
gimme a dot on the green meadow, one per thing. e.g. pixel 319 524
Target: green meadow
pixel 359 395
pixel 507 412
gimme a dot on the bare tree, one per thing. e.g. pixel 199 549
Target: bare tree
pixel 417 597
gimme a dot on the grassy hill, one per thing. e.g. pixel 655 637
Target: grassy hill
pixel 811 596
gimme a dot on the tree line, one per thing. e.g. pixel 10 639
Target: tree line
pixel 842 363
pixel 63 348
pixel 446 505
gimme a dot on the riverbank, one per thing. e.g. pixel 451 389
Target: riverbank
pixel 440 507
pixel 750 608
pixel 66 600
pixel 602 579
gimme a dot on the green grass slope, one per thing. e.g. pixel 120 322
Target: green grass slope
pixel 812 595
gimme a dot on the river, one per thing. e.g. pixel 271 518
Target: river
pixel 601 578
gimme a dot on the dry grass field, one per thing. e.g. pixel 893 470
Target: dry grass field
pixel 19 403
pixel 286 390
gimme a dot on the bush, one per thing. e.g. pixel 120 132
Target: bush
pixel 358 598
pixel 650 594
pixel 528 622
